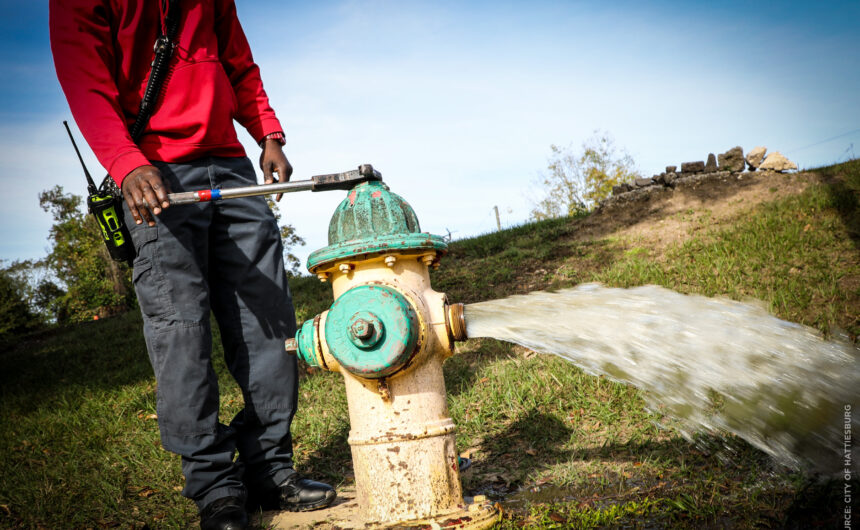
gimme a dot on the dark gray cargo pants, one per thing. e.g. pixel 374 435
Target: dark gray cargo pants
pixel 227 257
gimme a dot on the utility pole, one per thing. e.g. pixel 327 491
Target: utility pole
pixel 498 222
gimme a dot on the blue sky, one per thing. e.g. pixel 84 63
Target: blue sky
pixel 457 103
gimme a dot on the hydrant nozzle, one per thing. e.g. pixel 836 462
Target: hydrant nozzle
pixel 455 321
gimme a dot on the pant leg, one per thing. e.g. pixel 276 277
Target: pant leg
pixel 171 278
pixel 253 306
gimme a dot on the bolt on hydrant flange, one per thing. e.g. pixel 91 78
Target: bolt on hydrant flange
pixel 388 332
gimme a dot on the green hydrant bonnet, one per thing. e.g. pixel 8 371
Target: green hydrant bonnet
pixel 370 221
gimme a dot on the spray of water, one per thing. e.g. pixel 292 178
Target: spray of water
pixel 712 363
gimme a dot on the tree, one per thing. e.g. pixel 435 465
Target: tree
pixel 92 283
pixel 577 180
pixel 290 239
pixel 32 281
pixel 16 315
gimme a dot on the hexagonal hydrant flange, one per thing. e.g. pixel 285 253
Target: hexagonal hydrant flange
pixel 388 332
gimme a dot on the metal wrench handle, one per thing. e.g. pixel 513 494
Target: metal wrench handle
pixel 332 181
pixel 189 197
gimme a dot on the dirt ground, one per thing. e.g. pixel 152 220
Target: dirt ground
pixel 675 210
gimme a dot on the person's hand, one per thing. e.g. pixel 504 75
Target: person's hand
pixel 273 160
pixel 144 190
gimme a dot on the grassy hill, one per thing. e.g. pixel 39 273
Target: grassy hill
pixel 555 446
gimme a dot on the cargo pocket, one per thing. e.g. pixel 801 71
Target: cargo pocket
pixel 153 293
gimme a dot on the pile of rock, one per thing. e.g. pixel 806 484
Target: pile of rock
pixel 732 161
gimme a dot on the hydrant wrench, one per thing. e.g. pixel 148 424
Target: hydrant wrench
pixel 333 181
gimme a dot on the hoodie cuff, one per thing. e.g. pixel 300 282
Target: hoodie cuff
pixel 277 136
pixel 264 127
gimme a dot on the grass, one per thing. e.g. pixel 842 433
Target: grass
pixel 559 448
pixel 793 254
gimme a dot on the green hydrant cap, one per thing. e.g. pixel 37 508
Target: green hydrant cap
pixel 372 330
pixel 371 221
pixel 306 341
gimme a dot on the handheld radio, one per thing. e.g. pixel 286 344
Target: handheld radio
pixel 106 207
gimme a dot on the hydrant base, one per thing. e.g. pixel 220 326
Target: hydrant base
pixel 344 514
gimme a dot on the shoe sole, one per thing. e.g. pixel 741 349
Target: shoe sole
pixel 310 507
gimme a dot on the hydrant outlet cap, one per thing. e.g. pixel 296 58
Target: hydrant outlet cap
pixel 372 330
pixel 306 343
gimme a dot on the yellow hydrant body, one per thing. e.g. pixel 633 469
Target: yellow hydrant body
pixel 388 333
pixel 401 435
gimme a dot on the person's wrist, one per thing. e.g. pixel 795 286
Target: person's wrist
pixel 272 138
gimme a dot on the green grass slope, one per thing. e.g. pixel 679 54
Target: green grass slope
pixel 557 447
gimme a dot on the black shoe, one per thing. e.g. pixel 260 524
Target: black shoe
pixel 298 494
pixel 226 513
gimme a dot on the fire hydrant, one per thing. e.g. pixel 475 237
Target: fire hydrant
pixel 388 333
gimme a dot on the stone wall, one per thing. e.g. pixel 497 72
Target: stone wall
pixel 732 161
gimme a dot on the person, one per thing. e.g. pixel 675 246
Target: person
pixel 226 257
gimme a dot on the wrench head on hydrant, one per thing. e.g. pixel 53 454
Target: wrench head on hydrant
pixel 388 332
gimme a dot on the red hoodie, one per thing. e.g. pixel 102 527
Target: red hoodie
pixel 102 52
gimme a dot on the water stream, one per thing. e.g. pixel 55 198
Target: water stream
pixel 712 363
